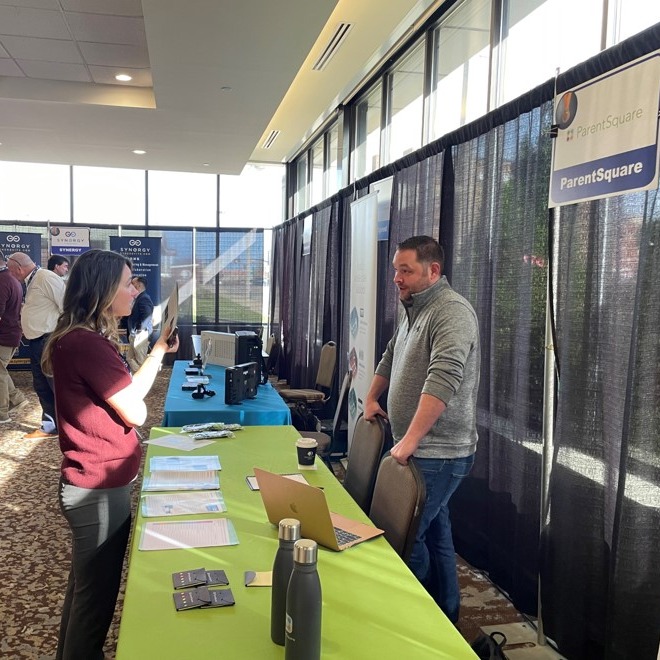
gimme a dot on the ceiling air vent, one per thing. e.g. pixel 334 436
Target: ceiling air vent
pixel 268 143
pixel 335 42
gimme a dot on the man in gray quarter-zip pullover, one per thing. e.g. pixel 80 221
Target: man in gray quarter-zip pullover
pixel 431 371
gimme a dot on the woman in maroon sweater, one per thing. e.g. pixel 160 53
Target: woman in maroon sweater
pixel 98 404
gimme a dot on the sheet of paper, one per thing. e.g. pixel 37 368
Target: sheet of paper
pixel 178 480
pixel 170 312
pixel 254 485
pixel 198 380
pixel 187 534
pixel 180 504
pixel 184 463
pixel 183 442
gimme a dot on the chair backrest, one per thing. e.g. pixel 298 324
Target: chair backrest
pixel 398 502
pixel 327 362
pixel 273 354
pixel 363 459
pixel 341 411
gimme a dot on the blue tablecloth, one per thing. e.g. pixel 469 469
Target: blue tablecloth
pixel 267 409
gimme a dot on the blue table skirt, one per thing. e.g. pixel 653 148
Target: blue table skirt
pixel 267 409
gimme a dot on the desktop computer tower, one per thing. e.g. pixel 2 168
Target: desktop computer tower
pixel 248 347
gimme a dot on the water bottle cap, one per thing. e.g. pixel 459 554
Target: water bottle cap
pixel 305 551
pixel 289 529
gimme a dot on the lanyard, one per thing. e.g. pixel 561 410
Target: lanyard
pixel 30 276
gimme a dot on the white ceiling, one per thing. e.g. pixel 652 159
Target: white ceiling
pixel 211 78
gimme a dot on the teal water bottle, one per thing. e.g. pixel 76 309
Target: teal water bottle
pixel 288 534
pixel 303 605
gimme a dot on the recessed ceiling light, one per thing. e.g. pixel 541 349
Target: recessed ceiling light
pixel 203 164
pixel 139 152
pixel 225 88
pixel 123 77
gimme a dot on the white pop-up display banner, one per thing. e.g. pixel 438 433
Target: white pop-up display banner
pixel 362 314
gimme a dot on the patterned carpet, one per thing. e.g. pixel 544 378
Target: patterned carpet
pixel 34 542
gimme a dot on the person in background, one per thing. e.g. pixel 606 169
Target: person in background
pixel 58 264
pixel 139 325
pixel 11 299
pixel 431 367
pixel 99 404
pixel 44 292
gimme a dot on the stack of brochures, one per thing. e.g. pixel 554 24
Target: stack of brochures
pixel 182 473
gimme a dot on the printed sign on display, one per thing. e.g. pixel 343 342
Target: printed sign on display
pixel 19 241
pixel 607 134
pixel 144 253
pixel 69 241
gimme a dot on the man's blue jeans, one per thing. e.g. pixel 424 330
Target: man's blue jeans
pixel 433 560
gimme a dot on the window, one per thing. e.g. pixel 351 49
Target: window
pixel 31 191
pixel 628 17
pixel 108 196
pixel 255 198
pixel 461 52
pixel 182 199
pixel 540 37
pixel 317 172
pixel 366 153
pixel 332 173
pixel 300 197
pixel 405 105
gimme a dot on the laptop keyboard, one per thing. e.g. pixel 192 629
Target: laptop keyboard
pixel 344 537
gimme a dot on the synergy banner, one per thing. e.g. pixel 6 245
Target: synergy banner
pixel 20 241
pixel 145 255
pixel 69 241
pixel 362 315
pixel 607 138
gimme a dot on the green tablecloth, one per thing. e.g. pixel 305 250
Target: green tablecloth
pixel 373 607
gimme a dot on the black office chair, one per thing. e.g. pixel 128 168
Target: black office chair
pixel 363 458
pixel 273 349
pixel 332 438
pixel 398 502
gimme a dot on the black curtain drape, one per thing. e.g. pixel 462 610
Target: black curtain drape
pixel 483 190
pixel 415 210
pixel 601 577
pixel 498 249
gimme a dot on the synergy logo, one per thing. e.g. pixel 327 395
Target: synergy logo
pixel 13 239
pixel 135 242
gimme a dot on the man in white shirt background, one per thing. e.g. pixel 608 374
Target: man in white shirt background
pixel 44 293
pixel 58 264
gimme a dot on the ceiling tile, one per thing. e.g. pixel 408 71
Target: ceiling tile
pixel 135 57
pixel 106 75
pixel 10 68
pixel 55 71
pixel 3 52
pixel 33 23
pixel 107 29
pixel 51 50
pixel 110 7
